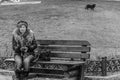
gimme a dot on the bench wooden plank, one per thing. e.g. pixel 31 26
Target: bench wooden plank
pixel 68 49
pixel 61 75
pixel 61 62
pixel 47 71
pixel 9 60
pixel 33 75
pixel 53 62
pixel 70 55
pixel 64 42
pixel 52 71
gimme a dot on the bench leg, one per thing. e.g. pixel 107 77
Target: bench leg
pixel 16 78
pixel 80 71
pixel 80 75
pixel 20 75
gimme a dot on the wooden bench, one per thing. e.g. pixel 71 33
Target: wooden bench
pixel 67 59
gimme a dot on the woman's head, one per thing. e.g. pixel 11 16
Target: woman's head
pixel 22 26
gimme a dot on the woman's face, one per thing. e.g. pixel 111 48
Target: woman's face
pixel 23 29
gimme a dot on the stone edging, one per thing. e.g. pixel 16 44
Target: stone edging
pixel 19 3
pixel 6 72
pixel 111 77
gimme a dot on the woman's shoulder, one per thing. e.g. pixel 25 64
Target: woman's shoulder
pixel 15 31
pixel 15 34
pixel 31 32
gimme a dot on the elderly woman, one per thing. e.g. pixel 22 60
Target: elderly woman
pixel 24 44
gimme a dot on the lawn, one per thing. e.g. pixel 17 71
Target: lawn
pixel 68 20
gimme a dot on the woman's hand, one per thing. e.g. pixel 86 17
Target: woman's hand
pixel 24 49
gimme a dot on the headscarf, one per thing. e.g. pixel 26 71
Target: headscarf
pixel 20 23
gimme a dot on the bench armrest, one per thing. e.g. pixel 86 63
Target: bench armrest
pixel 9 60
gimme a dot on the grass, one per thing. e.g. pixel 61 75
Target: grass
pixel 66 19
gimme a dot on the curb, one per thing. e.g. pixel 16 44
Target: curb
pixel 21 3
pixel 7 72
pixel 111 77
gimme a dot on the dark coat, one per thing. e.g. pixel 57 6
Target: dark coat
pixel 26 40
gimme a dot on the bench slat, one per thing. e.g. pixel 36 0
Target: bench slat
pixel 68 49
pixel 50 71
pixel 47 71
pixel 44 75
pixel 71 55
pixel 33 75
pixel 61 62
pixel 63 42
pixel 53 62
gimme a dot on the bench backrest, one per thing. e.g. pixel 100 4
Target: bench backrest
pixel 69 49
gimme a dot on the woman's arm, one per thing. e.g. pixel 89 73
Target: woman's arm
pixel 33 44
pixel 15 45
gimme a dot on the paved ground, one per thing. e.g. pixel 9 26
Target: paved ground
pixel 21 3
pixel 5 77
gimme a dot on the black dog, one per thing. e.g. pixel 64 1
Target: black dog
pixel 90 6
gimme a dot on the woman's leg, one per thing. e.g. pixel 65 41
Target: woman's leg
pixel 18 61
pixel 18 65
pixel 26 62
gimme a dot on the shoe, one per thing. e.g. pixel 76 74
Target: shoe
pixel 25 78
pixel 15 78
